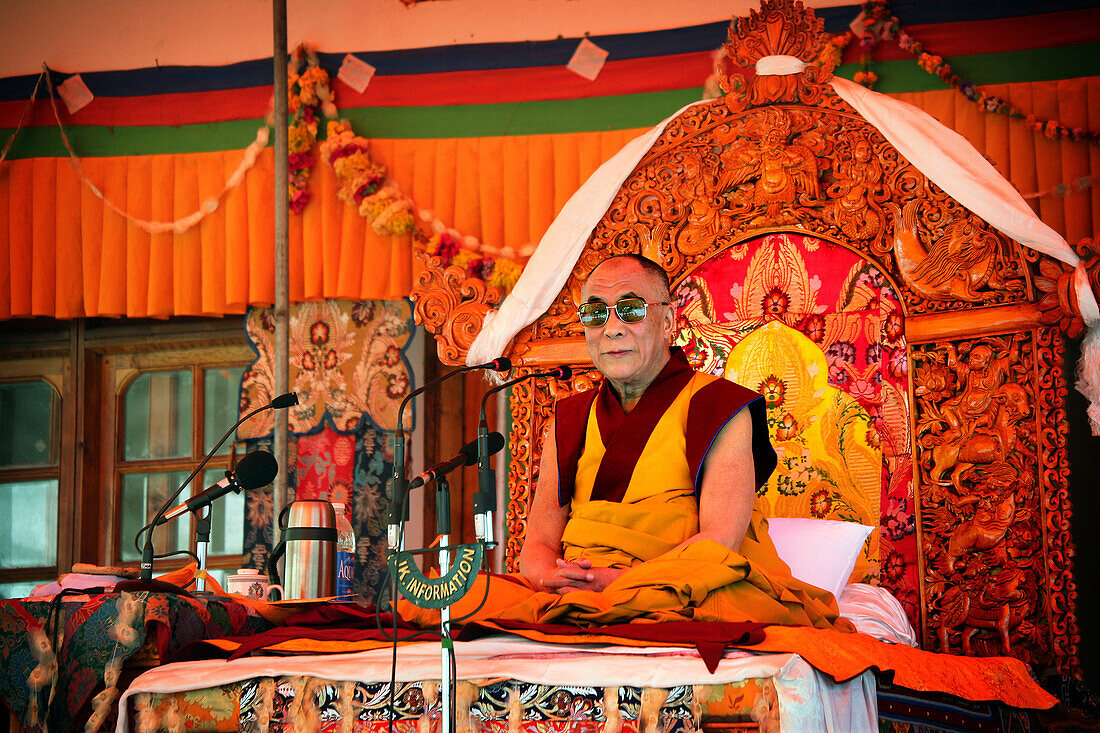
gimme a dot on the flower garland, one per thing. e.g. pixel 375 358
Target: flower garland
pixel 497 272
pixel 363 184
pixel 308 94
pixel 876 23
pixel 181 225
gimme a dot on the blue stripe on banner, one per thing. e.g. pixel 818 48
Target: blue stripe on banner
pixel 468 57
pixel 488 56
pixel 927 12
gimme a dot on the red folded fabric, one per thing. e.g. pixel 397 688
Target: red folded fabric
pixel 710 639
pixel 330 622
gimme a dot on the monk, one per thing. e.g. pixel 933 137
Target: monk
pixel 644 506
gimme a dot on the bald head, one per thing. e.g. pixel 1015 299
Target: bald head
pixel 649 268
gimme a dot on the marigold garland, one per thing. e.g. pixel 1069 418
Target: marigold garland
pixel 877 23
pixel 308 96
pixel 362 183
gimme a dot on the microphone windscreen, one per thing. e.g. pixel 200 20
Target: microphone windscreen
pixel 285 400
pixel 500 364
pixel 562 372
pixel 256 469
pixel 496 442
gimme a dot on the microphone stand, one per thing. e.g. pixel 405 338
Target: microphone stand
pixel 446 644
pixel 485 500
pixel 146 581
pixel 202 540
pixel 398 511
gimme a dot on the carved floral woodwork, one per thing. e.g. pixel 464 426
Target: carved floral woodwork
pixel 452 306
pixel 778 29
pixel 1056 281
pixel 784 153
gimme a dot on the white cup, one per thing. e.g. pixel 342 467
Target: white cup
pixel 249 582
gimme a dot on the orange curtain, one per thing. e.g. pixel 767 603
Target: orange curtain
pixel 1028 159
pixel 62 254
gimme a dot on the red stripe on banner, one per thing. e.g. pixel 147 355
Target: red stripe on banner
pixel 532 84
pixel 632 76
pixel 155 109
pixel 1049 30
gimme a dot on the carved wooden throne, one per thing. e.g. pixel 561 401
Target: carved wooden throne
pixel 910 354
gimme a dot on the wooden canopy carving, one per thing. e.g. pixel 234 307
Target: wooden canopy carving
pixel 984 320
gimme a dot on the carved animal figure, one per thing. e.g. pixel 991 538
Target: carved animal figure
pixel 960 265
pixel 985 530
pixel 999 607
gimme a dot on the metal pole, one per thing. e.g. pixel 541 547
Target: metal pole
pixel 446 646
pixel 202 542
pixel 282 278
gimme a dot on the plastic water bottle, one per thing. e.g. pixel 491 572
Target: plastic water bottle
pixel 345 551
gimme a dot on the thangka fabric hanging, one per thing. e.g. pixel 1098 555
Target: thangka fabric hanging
pixel 347 362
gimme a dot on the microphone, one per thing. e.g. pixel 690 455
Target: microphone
pixel 254 470
pixel 397 511
pixel 284 400
pixel 466 456
pixel 280 402
pixel 485 500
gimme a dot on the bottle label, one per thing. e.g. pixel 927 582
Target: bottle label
pixel 345 573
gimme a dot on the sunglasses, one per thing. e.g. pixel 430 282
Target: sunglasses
pixel 629 310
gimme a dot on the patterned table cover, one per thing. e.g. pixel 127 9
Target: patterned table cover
pixel 289 703
pixel 46 684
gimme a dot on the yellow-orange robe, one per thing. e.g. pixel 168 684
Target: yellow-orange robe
pixel 632 480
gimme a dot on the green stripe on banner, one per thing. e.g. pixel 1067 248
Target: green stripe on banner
pixel 589 114
pixel 481 120
pixel 94 141
pixel 592 114
pixel 1041 64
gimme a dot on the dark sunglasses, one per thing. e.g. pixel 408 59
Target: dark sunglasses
pixel 629 310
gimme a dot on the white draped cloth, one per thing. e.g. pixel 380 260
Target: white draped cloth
pixel 943 155
pixel 808 699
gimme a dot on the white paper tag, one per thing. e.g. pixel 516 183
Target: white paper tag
pixel 588 60
pixel 356 73
pixel 75 94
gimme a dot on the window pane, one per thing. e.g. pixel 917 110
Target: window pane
pixel 29 416
pixel 226 519
pixel 220 575
pixel 221 395
pixel 21 589
pixel 142 495
pixel 157 414
pixel 28 524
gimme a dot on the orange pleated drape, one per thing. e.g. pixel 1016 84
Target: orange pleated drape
pixel 63 254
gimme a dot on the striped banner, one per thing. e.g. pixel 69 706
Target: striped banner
pixel 488 90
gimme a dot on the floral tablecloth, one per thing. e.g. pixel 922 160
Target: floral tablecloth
pixel 56 655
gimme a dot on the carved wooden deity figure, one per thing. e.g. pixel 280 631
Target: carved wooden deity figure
pixel 785 170
pixel 981 419
pixel 858 177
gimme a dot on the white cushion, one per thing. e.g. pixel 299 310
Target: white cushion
pixel 821 552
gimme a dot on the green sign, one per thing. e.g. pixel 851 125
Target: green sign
pixel 441 592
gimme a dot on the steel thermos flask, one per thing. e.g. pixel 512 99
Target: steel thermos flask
pixel 309 545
